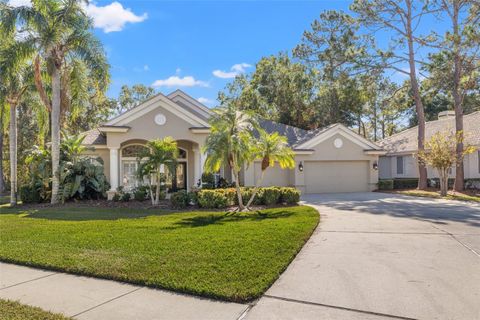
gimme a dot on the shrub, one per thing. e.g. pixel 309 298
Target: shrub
pixel 214 198
pixel 116 197
pixel 192 198
pixel 208 181
pixel 435 182
pixel 140 194
pixel 289 195
pixel 223 183
pixel 271 195
pixel 125 197
pixel 386 184
pixel 179 199
pixel 29 194
pixel 405 183
pixel 472 183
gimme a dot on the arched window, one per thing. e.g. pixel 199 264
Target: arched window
pixel 182 154
pixel 132 151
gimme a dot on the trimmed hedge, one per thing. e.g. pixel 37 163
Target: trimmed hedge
pixel 405 183
pixel 222 198
pixel 180 199
pixel 386 184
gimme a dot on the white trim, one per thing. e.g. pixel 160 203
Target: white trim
pixel 200 130
pixel 343 131
pixel 375 152
pixel 113 129
pixel 180 94
pixel 158 101
pixel 301 152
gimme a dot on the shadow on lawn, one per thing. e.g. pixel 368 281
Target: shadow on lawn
pixel 205 220
pixel 86 214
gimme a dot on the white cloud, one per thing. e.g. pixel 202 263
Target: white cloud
pixel 235 70
pixel 109 18
pixel 204 100
pixel 19 3
pixel 146 67
pixel 112 17
pixel 176 81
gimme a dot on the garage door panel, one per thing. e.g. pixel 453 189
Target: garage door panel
pixel 336 176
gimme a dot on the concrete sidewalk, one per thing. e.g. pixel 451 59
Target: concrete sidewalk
pixel 90 298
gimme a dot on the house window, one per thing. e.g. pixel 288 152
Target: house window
pixel 399 165
pixel 132 151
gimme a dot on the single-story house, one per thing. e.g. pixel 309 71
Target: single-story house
pixel 400 161
pixel 331 159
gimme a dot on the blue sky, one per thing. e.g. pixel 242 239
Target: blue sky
pixel 199 46
pixel 195 38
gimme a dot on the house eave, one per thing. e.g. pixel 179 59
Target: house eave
pixel 110 128
pixel 303 151
pixel 375 152
pixel 199 129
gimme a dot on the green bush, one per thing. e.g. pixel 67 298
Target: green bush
pixel 139 194
pixel 208 181
pixel 405 183
pixel 271 195
pixel 386 184
pixel 29 194
pixel 179 200
pixel 116 197
pixel 192 198
pixel 217 198
pixel 125 197
pixel 289 195
pixel 435 183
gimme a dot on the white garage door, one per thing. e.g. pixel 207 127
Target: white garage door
pixel 336 176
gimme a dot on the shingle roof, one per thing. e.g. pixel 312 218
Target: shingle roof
pixel 95 137
pixel 293 134
pixel 406 141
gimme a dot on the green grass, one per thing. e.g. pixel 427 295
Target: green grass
pixel 232 257
pixel 11 310
pixel 436 194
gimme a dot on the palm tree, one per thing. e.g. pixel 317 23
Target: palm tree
pixel 272 148
pixel 16 77
pixel 60 31
pixel 230 143
pixel 158 153
pixel 72 147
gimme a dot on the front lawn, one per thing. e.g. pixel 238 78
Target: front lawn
pixel 233 257
pixel 11 310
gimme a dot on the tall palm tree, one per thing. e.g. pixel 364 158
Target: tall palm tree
pixel 158 153
pixel 230 143
pixel 16 77
pixel 60 31
pixel 272 148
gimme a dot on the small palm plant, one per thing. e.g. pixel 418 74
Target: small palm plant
pixel 271 148
pixel 230 143
pixel 158 153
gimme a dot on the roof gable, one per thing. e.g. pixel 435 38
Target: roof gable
pixel 157 101
pixel 316 137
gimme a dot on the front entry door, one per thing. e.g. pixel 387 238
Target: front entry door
pixel 179 180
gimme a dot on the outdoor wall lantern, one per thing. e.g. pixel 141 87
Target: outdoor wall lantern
pixel 375 165
pixel 300 166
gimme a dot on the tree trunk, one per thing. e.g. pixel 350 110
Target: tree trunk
pixel 255 190
pixel 241 207
pixel 13 153
pixel 157 189
pixel 2 182
pixel 457 101
pixel 422 169
pixel 56 90
pixel 443 182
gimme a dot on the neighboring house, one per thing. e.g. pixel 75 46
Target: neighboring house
pixel 400 161
pixel 331 159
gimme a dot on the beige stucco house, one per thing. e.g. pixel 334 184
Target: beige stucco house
pixel 400 161
pixel 331 159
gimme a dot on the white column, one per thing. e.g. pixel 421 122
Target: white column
pixel 196 168
pixel 203 157
pixel 113 169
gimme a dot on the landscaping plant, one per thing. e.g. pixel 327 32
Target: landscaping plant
pixel 157 154
pixel 441 153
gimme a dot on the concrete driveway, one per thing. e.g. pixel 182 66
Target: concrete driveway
pixel 382 256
